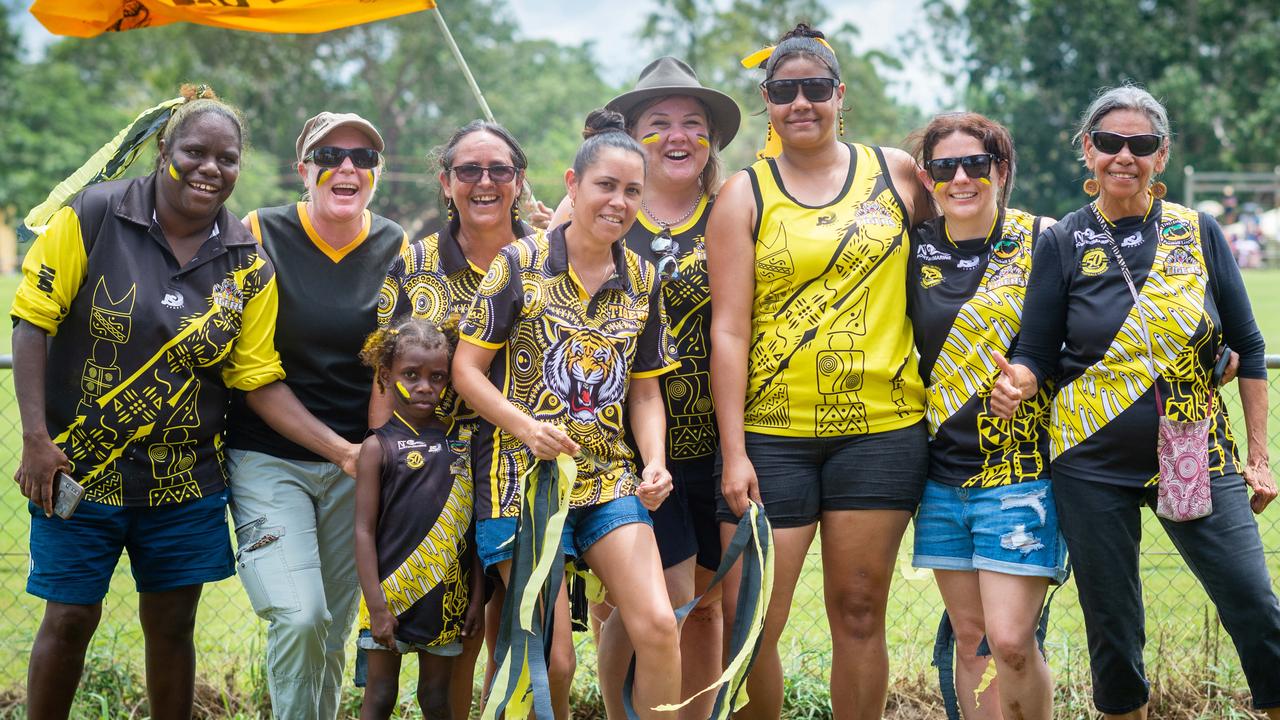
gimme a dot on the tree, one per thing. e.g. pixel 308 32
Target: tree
pixel 1036 65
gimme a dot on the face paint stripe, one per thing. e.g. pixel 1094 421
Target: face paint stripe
pixel 324 177
pixel 938 185
pixel 370 174
pixel 173 172
pixel 404 391
pixel 651 138
pixel 985 181
pixel 704 141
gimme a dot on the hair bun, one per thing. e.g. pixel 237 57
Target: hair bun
pixel 191 92
pixel 604 121
pixel 803 30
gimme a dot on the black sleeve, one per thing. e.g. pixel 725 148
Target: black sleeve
pixel 1044 312
pixel 1239 329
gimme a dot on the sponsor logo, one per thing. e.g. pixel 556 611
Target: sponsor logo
pixel 1133 240
pixel 928 252
pixel 1094 262
pixel 414 460
pixel 967 263
pixel 827 219
pixel 409 444
pixel 44 278
pixel 435 448
pixel 930 276
pixel 173 300
pixel 1088 236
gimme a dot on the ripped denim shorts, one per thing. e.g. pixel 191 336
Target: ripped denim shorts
pixel 1011 529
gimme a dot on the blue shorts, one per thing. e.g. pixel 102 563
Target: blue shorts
pixel 495 537
pixel 169 547
pixel 1011 529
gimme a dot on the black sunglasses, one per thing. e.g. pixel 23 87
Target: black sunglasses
pixel 975 166
pixel 816 89
pixel 1140 145
pixel 331 157
pixel 664 247
pixel 471 173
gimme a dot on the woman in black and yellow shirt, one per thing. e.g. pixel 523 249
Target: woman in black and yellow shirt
pixel 819 404
pixel 1120 366
pixel 986 525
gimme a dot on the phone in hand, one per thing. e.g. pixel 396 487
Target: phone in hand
pixel 66 495
pixel 1220 368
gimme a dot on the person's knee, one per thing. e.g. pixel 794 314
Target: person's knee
pixel 969 633
pixel 563 663
pixel 659 634
pixel 70 627
pixel 433 697
pixel 310 620
pixel 710 614
pixel 380 696
pixel 1013 650
pixel 857 614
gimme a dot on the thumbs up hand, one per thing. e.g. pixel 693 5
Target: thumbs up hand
pixel 1015 384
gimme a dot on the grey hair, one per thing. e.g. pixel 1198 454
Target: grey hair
pixel 1124 97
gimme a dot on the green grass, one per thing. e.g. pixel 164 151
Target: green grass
pixel 1183 645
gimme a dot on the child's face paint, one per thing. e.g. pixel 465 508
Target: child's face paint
pixel 173 172
pixel 651 138
pixel 404 391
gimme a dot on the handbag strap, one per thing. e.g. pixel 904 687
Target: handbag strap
pixel 1137 303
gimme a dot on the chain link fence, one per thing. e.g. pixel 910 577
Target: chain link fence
pixel 1185 643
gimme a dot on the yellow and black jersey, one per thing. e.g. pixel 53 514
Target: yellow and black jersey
pixel 567 358
pixel 1081 323
pixel 831 352
pixel 965 300
pixel 433 279
pixel 425 532
pixel 144 350
pixel 328 306
pixel 686 293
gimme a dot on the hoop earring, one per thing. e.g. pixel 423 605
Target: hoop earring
pixel 1158 190
pixel 1092 186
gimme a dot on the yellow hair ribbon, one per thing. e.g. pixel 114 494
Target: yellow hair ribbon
pixel 324 177
pixel 761 56
pixel 772 144
pixel 173 172
pixel 704 141
pixel 651 138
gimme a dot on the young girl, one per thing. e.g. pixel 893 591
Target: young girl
pixel 414 540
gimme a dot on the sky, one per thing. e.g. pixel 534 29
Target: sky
pixel 881 24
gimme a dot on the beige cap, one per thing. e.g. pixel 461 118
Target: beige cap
pixel 326 122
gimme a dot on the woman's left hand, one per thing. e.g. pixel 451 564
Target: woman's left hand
pixel 1257 474
pixel 655 486
pixel 1232 366
pixel 537 214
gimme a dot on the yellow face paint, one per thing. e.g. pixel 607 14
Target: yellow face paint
pixel 985 181
pixel 938 185
pixel 404 391
pixel 651 138
pixel 370 174
pixel 324 177
pixel 704 141
pixel 173 172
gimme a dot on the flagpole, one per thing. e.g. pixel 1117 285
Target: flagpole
pixel 466 70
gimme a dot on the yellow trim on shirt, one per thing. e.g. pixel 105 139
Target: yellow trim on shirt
pixel 52 273
pixel 656 373
pixel 334 254
pixel 481 343
pixel 255 226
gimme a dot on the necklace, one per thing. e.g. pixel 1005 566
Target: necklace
pixel 692 209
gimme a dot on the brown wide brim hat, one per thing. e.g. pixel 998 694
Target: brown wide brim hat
pixel 668 76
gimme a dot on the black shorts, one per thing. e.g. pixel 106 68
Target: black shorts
pixel 685 524
pixel 800 478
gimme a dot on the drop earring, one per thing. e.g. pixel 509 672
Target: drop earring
pixel 1091 186
pixel 1158 190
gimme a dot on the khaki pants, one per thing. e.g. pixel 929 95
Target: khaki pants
pixel 296 558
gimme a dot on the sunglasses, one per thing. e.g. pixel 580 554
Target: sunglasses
pixel 816 89
pixel 1140 145
pixel 471 173
pixel 664 247
pixel 975 166
pixel 331 157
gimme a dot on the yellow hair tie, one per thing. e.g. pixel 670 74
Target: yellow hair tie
pixel 761 56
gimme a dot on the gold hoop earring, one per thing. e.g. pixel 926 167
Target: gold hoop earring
pixel 1158 190
pixel 1092 186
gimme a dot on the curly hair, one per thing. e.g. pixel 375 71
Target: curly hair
pixel 384 344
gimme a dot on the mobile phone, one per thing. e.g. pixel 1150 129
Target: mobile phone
pixel 1220 367
pixel 66 495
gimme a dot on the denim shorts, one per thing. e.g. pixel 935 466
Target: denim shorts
pixel 365 641
pixel 495 537
pixel 169 547
pixel 802 477
pixel 1010 529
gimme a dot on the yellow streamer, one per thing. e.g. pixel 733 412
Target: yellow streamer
pixel 988 676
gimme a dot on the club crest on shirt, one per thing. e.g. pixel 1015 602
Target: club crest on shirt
pixel 1005 250
pixel 1180 261
pixel 1177 232
pixel 1015 275
pixel 414 460
pixel 930 276
pixel 1094 262
pixel 227 296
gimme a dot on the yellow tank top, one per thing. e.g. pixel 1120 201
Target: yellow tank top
pixel 831 350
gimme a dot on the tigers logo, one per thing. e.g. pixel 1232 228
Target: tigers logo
pixel 414 460
pixel 584 369
pixel 1181 262
pixel 1094 262
pixel 227 296
pixel 930 276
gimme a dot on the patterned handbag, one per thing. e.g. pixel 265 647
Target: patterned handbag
pixel 1182 447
